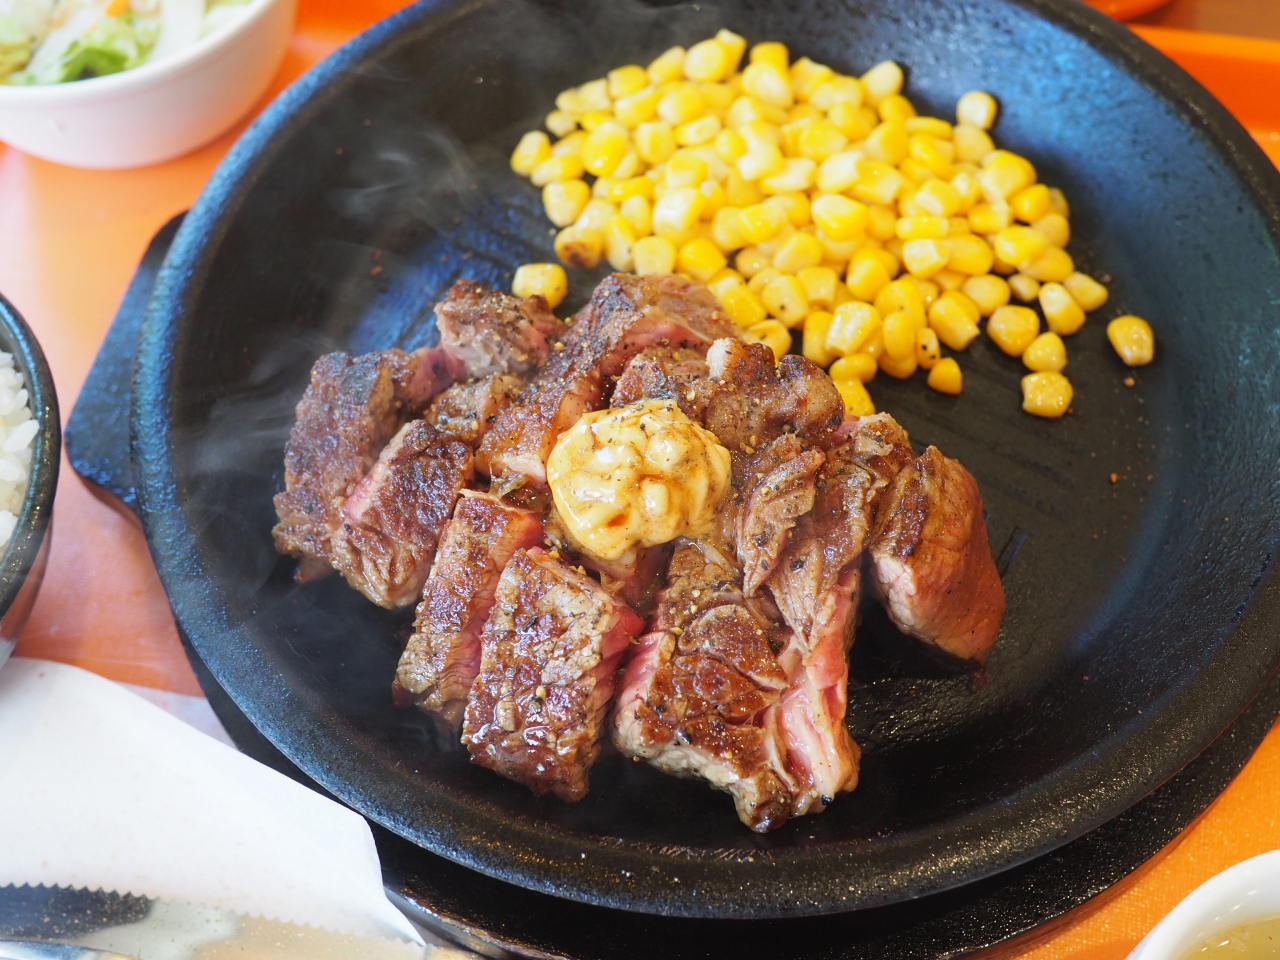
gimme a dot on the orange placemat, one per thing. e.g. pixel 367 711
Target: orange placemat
pixel 69 242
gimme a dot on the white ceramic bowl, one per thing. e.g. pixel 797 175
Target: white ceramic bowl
pixel 156 111
pixel 1248 891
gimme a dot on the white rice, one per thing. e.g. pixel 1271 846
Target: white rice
pixel 17 432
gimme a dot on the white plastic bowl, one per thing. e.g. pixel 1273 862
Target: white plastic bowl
pixel 157 111
pixel 1247 892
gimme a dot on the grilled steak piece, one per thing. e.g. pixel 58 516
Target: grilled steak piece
pixel 816 586
pixel 749 401
pixel 349 411
pixel 931 561
pixel 443 656
pixel 494 332
pixel 699 695
pixel 393 519
pixel 663 374
pixel 466 410
pixel 548 656
pixel 626 316
pixel 778 488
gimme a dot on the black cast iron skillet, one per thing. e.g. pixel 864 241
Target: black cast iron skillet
pixel 1137 626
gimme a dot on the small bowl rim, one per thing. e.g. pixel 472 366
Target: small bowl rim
pixel 46 454
pixel 1196 915
pixel 140 77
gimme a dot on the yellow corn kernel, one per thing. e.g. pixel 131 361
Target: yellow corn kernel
pixel 555 169
pixel 948 279
pixel 654 255
pixel 1013 329
pixel 859 366
pixel 604 186
pixel 579 246
pixel 719 97
pixel 807 76
pixel 786 300
pixel 1059 200
pixel 821 140
pixel 590 121
pixel 988 219
pixel 878 183
pixel 698 131
pixel 1024 288
pixel 972 143
pixel 771 52
pixel 1020 246
pixel 768 83
pixel 533 148
pixel 1005 174
pixel 684 169
pixel 814 341
pixel 655 142
pixel 569 146
pixel 849 121
pixel 668 67
pixel 945 377
pixel 561 123
pixel 851 327
pixel 637 108
pixel 938 198
pixel 1086 291
pixel 989 293
pixel 596 214
pixel 839 172
pixel 893 246
pixel 724 279
pixel 742 306
pixel 564 200
pixel 839 217
pixel 960 301
pixel 800 252
pixel 1063 315
pixel 1055 228
pixel 1046 394
pixel 625 81
pixel 619 243
pixel 968 191
pixel 899 368
pixel 902 295
pixel 1031 204
pixel 760 161
pixel 707 62
pixel 680 104
pixel 751 260
pixel 838 90
pixel 546 280
pixel 619 190
pixel 970 255
pixel 959 227
pixel 882 222
pixel 895 108
pixel 820 285
pixel 888 143
pixel 726 229
pixel 934 154
pixel 924 258
pixel 796 205
pixel 917 173
pixel 762 279
pixel 762 221
pixel 923 227
pixel 734 44
pixel 977 109
pixel 1052 266
pixel 866 278
pixel 874 347
pixel 951 321
pixel 883 80
pixel 772 334
pixel 639 212
pixel 930 126
pixel 677 211
pixel 730 146
pixel 1046 352
pixel 700 259
pixel 1132 339
pixel 928 352
pixel 796 175
pixel 742 111
pixel 604 148
pixel 857 402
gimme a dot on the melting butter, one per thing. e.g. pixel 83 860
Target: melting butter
pixel 642 474
pixel 1255 940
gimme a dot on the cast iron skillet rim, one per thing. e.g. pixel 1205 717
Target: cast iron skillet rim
pixel 46 455
pixel 1153 740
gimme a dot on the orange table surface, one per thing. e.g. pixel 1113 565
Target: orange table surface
pixel 69 242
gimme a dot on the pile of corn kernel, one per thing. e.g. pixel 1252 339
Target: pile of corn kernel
pixel 811 201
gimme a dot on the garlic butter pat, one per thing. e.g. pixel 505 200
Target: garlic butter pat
pixel 642 474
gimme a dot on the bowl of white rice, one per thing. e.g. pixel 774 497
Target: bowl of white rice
pixel 30 450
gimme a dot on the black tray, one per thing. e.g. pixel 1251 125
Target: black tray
pixel 1013 909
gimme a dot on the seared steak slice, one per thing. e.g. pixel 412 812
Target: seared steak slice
pixel 393 519
pixel 778 488
pixel 627 315
pixel 349 411
pixel 494 332
pixel 466 410
pixel 816 586
pixel 663 374
pixel 931 561
pixel 548 656
pixel 443 656
pixel 749 401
